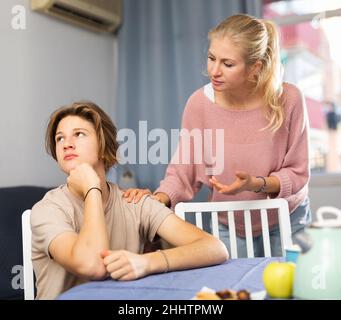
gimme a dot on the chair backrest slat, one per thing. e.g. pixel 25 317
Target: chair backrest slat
pixel 214 208
pixel 284 224
pixel 27 255
pixel 215 226
pixel 198 219
pixel 265 233
pixel 248 233
pixel 233 238
pixel 180 210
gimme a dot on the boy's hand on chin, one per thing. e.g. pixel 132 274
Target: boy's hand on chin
pixel 82 178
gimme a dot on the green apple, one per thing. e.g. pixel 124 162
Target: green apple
pixel 278 278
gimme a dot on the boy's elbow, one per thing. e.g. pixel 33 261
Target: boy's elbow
pixel 92 271
pixel 221 251
pixel 224 252
pixel 98 273
pixel 218 251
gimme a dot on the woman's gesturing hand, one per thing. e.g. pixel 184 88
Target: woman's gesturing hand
pixel 243 182
pixel 125 265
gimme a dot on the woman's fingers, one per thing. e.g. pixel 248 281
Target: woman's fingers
pixel 216 183
pixel 141 194
pixel 132 195
pixel 233 188
pixel 242 175
pixel 136 194
pixel 226 189
pixel 127 192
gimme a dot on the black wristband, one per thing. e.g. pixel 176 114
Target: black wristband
pixel 90 190
pixel 262 188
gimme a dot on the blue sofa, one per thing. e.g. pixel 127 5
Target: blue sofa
pixel 14 201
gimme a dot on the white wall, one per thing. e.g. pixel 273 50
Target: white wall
pixel 325 190
pixel 49 64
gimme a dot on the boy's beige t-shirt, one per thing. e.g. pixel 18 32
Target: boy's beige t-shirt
pixel 129 226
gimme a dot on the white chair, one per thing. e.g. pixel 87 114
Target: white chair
pixel 230 206
pixel 27 255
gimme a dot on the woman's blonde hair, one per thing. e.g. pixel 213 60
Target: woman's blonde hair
pixel 105 130
pixel 259 41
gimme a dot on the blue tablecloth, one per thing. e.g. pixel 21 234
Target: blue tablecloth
pixel 178 285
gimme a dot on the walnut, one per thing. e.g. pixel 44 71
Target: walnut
pixel 227 294
pixel 243 295
pixel 207 296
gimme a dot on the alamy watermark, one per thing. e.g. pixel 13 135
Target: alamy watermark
pixel 17 281
pixel 202 147
pixel 318 281
pixel 18 21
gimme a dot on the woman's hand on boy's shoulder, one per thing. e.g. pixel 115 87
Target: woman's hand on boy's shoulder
pixel 135 194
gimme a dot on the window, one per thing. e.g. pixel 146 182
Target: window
pixel 311 55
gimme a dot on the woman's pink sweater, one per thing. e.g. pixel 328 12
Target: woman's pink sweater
pixel 244 147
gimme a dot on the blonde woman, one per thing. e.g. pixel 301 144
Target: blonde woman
pixel 265 131
pixel 83 230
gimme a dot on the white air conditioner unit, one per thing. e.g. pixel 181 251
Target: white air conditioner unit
pixel 96 15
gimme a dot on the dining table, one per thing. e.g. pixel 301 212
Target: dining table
pixel 233 274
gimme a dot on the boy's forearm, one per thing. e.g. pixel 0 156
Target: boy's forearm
pixel 188 256
pixel 93 237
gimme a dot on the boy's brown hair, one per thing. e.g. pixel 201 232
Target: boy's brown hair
pixel 104 127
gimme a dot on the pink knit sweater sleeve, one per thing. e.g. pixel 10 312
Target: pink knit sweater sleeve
pixel 294 173
pixel 181 181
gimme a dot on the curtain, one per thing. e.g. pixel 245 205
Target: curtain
pixel 162 52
